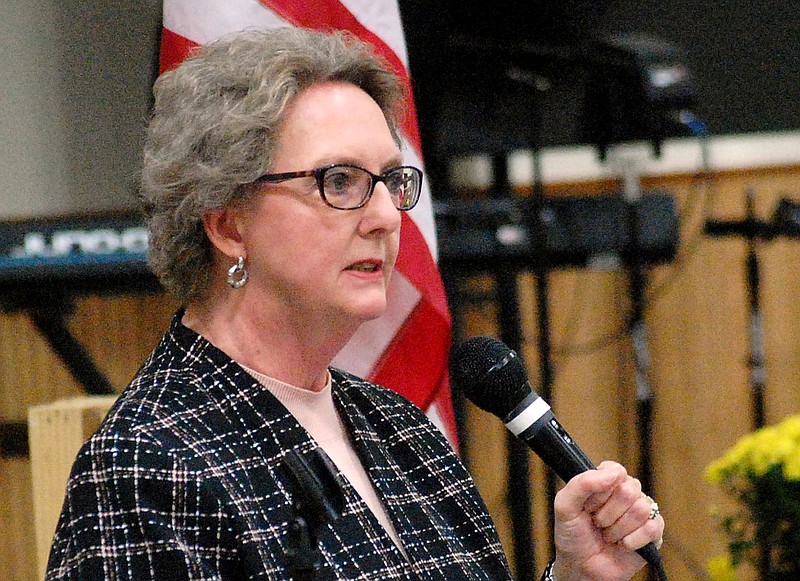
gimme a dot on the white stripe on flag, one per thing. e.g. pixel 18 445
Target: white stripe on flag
pixel 422 214
pixel 383 20
pixel 218 18
pixel 373 337
pixel 436 419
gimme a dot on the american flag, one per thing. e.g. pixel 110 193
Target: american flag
pixel 407 348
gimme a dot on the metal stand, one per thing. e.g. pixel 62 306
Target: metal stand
pixel 634 263
pixel 518 488
pixel 758 373
pixel 546 375
pixel 754 231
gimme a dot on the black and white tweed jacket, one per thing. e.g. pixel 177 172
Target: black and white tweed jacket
pixel 183 480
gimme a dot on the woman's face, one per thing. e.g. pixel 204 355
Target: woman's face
pixel 307 258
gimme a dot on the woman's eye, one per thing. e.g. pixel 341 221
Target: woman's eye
pixel 337 182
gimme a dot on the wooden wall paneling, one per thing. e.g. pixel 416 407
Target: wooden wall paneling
pixel 693 311
pixel 119 332
pixel 697 322
pixel 485 449
pixel 17 538
pixel 700 368
pixel 780 296
pixel 689 356
pixel 30 374
pixel 702 395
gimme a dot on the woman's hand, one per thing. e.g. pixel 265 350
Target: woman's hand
pixel 601 518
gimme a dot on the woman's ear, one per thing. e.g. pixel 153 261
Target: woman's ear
pixel 224 229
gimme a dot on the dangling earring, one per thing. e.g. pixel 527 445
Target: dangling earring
pixel 237 274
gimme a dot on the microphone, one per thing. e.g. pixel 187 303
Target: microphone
pixel 317 499
pixel 492 376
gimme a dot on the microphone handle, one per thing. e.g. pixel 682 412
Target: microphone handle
pixel 556 448
pixel 551 442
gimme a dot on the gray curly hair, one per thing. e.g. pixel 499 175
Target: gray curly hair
pixel 214 127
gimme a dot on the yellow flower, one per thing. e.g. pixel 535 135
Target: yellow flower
pixel 791 466
pixel 715 472
pixel 756 453
pixel 769 449
pixel 720 568
pixel 791 427
pixel 771 452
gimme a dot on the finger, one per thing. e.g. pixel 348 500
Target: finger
pixel 652 531
pixel 588 491
pixel 626 496
pixel 634 517
pixel 598 499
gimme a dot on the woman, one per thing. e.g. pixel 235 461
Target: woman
pixel 273 184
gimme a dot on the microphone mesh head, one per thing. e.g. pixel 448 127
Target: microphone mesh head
pixel 490 374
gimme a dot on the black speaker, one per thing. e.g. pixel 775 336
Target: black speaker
pixel 578 231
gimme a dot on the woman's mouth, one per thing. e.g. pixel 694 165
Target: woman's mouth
pixel 365 266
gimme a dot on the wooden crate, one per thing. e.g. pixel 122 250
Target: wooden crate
pixel 56 432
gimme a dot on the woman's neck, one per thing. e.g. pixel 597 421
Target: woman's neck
pixel 297 353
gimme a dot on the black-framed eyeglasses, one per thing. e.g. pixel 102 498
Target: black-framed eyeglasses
pixel 349 187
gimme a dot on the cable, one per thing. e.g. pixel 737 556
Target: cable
pixel 703 178
pixel 594 344
pixel 706 179
pixel 689 562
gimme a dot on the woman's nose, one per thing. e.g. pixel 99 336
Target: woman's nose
pixel 380 211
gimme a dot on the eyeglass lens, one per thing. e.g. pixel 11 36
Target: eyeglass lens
pixel 348 187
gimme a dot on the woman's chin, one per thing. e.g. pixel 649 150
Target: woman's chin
pixel 370 310
pixel 374 313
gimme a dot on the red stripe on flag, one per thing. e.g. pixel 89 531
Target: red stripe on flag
pixel 333 15
pixel 416 263
pixel 415 363
pixel 174 49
